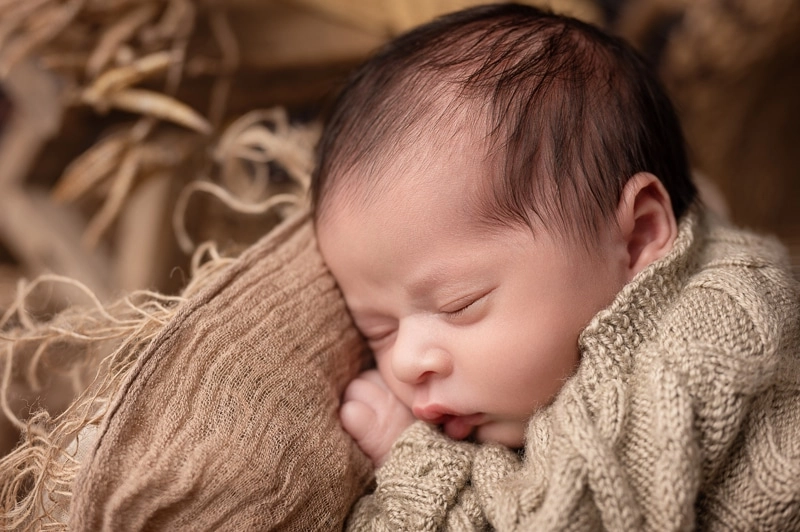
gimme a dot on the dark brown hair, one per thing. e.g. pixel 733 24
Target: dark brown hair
pixel 567 112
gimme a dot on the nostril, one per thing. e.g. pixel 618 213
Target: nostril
pixel 424 376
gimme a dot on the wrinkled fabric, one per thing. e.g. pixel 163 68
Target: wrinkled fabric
pixel 228 420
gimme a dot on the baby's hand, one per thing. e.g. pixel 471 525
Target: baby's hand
pixel 373 415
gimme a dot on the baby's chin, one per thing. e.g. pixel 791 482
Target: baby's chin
pixel 508 433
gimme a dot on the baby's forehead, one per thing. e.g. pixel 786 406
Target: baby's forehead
pixel 419 177
pixel 448 158
pixel 443 152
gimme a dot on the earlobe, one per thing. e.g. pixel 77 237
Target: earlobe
pixel 646 221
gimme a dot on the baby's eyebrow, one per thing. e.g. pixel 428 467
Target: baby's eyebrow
pixel 424 285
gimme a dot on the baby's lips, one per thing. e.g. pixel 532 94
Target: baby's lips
pixel 455 425
pixel 433 414
pixel 456 429
pixel 460 427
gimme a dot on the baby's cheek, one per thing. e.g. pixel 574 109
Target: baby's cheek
pixel 508 433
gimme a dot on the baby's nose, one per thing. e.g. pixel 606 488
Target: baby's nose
pixel 418 356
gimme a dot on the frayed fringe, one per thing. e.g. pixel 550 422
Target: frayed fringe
pixel 92 346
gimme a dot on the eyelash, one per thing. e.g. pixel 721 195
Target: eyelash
pixel 380 337
pixel 459 312
pixel 449 314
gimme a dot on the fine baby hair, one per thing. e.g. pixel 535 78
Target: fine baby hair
pixel 566 114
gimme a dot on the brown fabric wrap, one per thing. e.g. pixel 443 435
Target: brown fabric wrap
pixel 228 420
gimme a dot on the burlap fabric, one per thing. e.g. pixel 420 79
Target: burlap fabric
pixel 227 421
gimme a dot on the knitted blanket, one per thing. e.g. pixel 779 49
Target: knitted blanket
pixel 684 413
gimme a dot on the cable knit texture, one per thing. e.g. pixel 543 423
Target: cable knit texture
pixel 684 413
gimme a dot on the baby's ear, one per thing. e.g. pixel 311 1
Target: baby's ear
pixel 646 221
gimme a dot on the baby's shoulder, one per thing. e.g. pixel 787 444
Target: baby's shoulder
pixel 741 299
pixel 726 247
pixel 753 270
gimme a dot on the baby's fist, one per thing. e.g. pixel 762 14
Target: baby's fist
pixel 373 415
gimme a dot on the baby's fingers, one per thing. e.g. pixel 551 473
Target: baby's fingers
pixel 357 419
pixel 374 376
pixel 366 388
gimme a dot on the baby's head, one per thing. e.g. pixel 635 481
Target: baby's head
pixel 562 115
pixel 486 184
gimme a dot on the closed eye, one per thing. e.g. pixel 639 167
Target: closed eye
pixel 374 338
pixel 461 309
